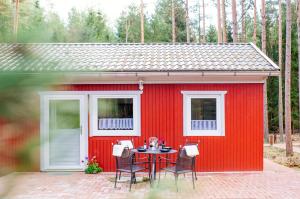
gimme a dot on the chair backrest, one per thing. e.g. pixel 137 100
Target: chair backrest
pixel 191 143
pixel 126 159
pixel 127 143
pixel 183 161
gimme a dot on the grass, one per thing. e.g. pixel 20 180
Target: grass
pixel 279 156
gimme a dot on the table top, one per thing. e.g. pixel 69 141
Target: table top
pixel 157 151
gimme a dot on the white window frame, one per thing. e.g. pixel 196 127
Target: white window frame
pixel 220 103
pixel 135 95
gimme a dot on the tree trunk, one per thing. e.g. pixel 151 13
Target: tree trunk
pixel 142 22
pixel 298 29
pixel 234 21
pixel 243 38
pixel 280 107
pixel 187 21
pixel 219 22
pixel 263 36
pixel 254 23
pixel 203 20
pixel 199 22
pixel 224 21
pixel 288 130
pixel 126 30
pixel 16 21
pixel 263 26
pixel 173 23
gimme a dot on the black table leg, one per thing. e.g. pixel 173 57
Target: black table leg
pixel 153 176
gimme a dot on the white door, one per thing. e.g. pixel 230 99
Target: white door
pixel 63 132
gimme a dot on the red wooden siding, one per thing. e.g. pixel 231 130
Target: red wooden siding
pixel 241 149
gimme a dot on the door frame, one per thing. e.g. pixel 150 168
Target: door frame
pixel 45 97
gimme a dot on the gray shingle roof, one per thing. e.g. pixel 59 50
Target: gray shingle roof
pixel 69 57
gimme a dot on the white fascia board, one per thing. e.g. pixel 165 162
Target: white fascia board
pixel 264 55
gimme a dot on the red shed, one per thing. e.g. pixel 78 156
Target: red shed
pixel 206 93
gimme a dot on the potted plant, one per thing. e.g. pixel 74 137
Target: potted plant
pixel 92 166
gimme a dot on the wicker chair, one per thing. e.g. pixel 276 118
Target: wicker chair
pixel 184 164
pixel 127 163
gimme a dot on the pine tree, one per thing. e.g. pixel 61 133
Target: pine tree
pixel 219 22
pixel 173 23
pixel 254 22
pixel 187 21
pixel 234 21
pixel 263 44
pixel 243 37
pixel 298 30
pixel 224 21
pixel 203 21
pixel 287 113
pixel 142 22
pixel 280 108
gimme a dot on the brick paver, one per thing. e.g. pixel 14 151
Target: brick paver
pixel 275 181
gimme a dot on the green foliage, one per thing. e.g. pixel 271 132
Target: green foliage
pixel 212 35
pixel 272 52
pixel 93 167
pixel 161 22
pixel 5 20
pixel 130 21
pixel 35 25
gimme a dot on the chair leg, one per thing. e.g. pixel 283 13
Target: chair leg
pixel 116 179
pixel 159 176
pixel 176 181
pixel 134 177
pixel 193 180
pixel 149 177
pixel 131 178
pixel 195 175
pixel 120 175
pixel 149 174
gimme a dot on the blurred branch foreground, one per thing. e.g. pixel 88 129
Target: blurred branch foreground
pixel 19 110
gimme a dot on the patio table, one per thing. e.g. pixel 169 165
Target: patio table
pixel 153 153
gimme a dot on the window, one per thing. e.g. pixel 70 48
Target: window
pixel 203 113
pixel 115 113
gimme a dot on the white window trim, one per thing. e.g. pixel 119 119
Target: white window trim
pixel 135 95
pixel 219 96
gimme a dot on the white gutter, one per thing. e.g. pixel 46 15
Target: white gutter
pixel 161 74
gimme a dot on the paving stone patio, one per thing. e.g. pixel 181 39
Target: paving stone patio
pixel 275 181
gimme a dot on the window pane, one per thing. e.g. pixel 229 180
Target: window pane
pixel 64 114
pixel 115 114
pixel 203 112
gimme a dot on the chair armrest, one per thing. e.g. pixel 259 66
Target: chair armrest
pixel 143 160
pixel 163 158
pixel 167 160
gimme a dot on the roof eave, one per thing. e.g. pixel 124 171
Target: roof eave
pixel 155 73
